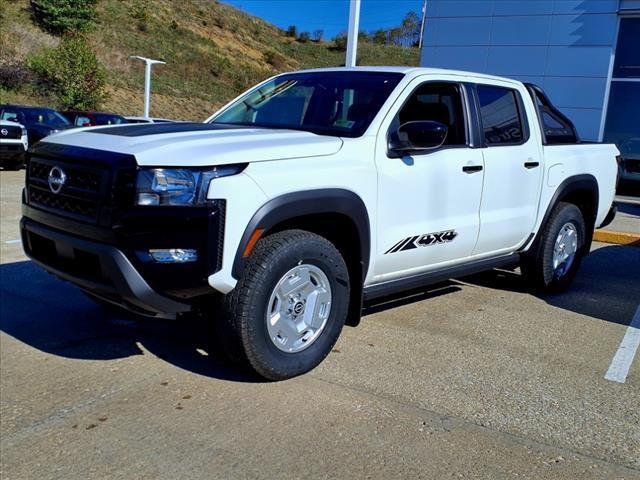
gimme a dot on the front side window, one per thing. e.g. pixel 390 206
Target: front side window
pixel 439 102
pixel 326 103
pixel 501 121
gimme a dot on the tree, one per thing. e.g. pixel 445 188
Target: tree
pixel 292 31
pixel 72 73
pixel 363 37
pixel 318 35
pixel 380 36
pixel 60 16
pixel 396 36
pixel 304 37
pixel 410 29
pixel 340 42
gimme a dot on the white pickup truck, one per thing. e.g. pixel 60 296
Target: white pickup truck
pixel 312 193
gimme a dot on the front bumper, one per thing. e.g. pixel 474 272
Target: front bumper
pixel 100 269
pixel 13 152
pixel 113 263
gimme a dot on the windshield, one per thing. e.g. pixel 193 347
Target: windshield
pixel 43 116
pixel 326 103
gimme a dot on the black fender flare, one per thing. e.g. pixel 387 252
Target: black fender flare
pixel 567 187
pixel 309 202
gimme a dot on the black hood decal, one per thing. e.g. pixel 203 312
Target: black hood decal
pixel 141 130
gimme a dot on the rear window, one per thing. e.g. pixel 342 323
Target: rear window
pixel 501 122
pixel 106 119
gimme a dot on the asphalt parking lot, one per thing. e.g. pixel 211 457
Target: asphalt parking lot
pixel 475 378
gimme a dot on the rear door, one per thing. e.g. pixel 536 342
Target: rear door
pixel 513 168
pixel 428 202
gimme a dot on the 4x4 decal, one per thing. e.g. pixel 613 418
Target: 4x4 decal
pixel 425 240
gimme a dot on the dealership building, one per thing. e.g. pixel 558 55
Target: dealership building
pixel 584 53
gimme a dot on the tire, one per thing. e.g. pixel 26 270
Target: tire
pixel 254 330
pixel 538 265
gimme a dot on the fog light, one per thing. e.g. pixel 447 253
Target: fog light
pixel 174 255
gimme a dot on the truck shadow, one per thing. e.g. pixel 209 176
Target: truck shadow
pixel 607 286
pixel 55 317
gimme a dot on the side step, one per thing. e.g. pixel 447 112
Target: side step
pixel 422 280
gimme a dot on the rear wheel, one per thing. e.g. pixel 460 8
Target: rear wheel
pixel 290 305
pixel 556 259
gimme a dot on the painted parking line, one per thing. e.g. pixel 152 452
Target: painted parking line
pixel 12 242
pixel 623 358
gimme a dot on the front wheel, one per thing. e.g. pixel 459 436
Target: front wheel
pixel 289 307
pixel 555 261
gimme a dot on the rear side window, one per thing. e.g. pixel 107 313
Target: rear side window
pixel 501 121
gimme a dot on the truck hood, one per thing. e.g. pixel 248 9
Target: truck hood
pixel 199 144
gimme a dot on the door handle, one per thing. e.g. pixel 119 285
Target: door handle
pixel 531 164
pixel 472 168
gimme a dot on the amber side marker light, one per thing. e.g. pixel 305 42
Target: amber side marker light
pixel 252 241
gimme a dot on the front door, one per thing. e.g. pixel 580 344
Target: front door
pixel 428 202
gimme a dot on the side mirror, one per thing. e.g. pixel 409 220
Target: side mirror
pixel 418 135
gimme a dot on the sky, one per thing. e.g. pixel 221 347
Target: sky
pixel 331 16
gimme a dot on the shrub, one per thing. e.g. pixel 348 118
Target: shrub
pixel 14 75
pixel 140 12
pixel 318 35
pixel 292 31
pixel 304 37
pixel 71 73
pixel 60 16
pixel 340 43
pixel 277 61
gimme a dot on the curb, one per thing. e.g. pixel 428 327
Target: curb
pixel 618 238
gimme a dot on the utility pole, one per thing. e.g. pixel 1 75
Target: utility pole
pixel 147 81
pixel 424 17
pixel 352 36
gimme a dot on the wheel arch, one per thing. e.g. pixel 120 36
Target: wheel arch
pixel 581 191
pixel 339 215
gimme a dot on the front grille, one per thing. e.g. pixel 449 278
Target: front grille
pixel 10 132
pixel 92 191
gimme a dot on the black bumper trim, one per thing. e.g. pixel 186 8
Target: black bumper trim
pixel 123 280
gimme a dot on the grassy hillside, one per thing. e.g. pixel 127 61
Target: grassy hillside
pixel 213 51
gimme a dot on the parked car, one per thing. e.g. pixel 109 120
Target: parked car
pixel 92 119
pixel 313 192
pixel 630 162
pixel 13 145
pixel 149 120
pixel 40 122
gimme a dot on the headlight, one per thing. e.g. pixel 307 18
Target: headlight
pixel 172 186
pixel 24 132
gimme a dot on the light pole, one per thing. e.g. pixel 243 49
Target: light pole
pixel 352 36
pixel 147 81
pixel 424 17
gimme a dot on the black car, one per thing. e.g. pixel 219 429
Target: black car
pixel 39 121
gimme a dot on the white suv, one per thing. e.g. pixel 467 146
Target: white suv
pixel 13 145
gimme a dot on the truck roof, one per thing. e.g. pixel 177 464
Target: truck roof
pixel 413 71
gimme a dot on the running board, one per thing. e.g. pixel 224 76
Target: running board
pixel 436 276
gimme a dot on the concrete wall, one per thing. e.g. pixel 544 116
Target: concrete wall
pixel 565 46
